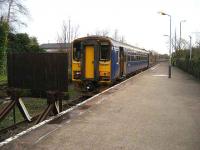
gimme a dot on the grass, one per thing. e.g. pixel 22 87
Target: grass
pixel 34 107
pixel 8 121
pixel 72 92
pixel 3 85
pixel 3 79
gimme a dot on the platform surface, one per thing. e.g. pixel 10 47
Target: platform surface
pixel 147 112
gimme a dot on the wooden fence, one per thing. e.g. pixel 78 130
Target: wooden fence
pixel 38 71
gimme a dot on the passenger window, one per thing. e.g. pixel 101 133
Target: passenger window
pixel 105 52
pixel 132 58
pixel 142 57
pixel 129 58
pixel 135 58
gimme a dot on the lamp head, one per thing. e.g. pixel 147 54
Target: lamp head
pixel 162 13
pixel 183 20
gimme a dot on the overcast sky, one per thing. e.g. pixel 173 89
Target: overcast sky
pixel 137 20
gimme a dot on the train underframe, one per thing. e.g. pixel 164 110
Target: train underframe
pixel 90 87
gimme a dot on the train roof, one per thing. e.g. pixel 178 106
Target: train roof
pixel 114 43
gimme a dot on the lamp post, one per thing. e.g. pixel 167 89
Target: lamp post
pixel 180 32
pixel 170 45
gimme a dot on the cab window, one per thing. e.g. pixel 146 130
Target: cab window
pixel 105 51
pixel 77 51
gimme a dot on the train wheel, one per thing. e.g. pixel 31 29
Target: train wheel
pixel 89 86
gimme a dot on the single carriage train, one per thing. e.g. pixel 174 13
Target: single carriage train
pixel 98 60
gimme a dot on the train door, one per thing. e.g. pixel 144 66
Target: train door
pixel 89 62
pixel 122 58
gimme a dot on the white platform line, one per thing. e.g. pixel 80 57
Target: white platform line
pixel 64 112
pixel 160 75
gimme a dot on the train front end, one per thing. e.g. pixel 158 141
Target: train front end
pixel 91 62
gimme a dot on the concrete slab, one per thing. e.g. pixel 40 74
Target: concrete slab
pixel 149 112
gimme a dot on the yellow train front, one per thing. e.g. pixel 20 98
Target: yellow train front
pixel 101 60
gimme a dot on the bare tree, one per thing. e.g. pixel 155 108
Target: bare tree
pixel 197 44
pixel 184 44
pixel 2 9
pixel 60 42
pixel 174 42
pixel 2 4
pixel 103 32
pixel 116 35
pixel 62 38
pixel 13 10
pixel 69 32
pixel 122 39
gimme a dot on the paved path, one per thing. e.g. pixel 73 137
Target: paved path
pixel 149 112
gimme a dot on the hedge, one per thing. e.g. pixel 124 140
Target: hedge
pixel 181 60
pixel 3 45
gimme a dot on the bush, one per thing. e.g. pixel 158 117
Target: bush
pixel 181 59
pixel 21 42
pixel 3 45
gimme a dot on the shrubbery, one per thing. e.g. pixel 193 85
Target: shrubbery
pixel 21 42
pixel 181 60
pixel 3 46
pixel 11 42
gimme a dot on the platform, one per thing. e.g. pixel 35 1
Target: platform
pixel 147 112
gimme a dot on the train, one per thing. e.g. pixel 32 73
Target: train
pixel 98 60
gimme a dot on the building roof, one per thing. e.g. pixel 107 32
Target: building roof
pixel 55 46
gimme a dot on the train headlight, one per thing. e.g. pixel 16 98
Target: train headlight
pixel 77 74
